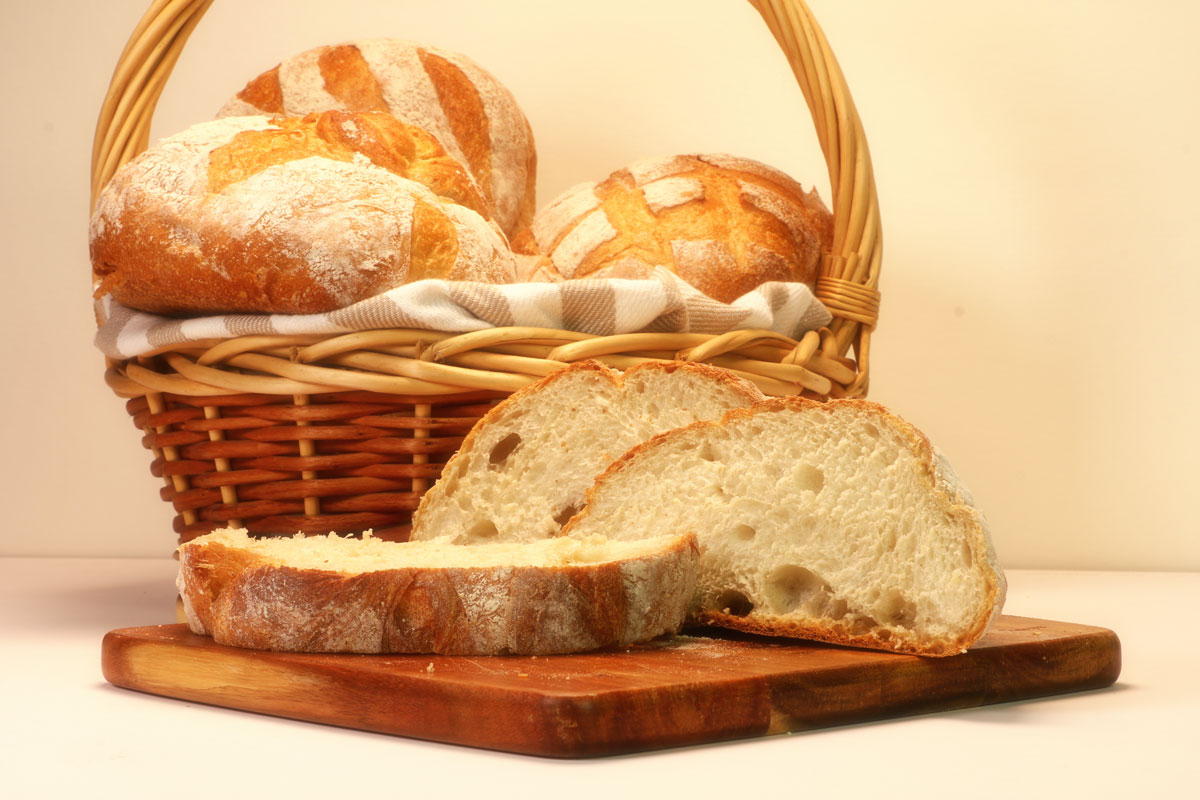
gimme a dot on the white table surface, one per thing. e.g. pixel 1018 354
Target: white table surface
pixel 65 732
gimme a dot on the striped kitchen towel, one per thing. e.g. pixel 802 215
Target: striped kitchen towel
pixel 665 303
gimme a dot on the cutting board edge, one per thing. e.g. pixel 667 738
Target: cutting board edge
pixel 547 733
pixel 548 736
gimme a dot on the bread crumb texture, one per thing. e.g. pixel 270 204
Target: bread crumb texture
pixel 357 555
pixel 524 470
pixel 833 521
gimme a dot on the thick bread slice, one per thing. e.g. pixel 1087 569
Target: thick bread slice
pixel 831 521
pixel 525 468
pixel 324 594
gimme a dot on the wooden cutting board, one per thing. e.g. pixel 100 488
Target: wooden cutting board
pixel 683 690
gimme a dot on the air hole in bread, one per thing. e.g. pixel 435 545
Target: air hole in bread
pixel 889 539
pixel 562 517
pixel 837 609
pixel 968 555
pixel 707 451
pixel 809 478
pixel 794 588
pixel 898 609
pixel 743 533
pixel 461 464
pixel 481 531
pixel 869 430
pixel 716 490
pixel 449 484
pixel 862 624
pixel 734 603
pixel 503 449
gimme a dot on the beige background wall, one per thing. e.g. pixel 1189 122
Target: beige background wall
pixel 1036 165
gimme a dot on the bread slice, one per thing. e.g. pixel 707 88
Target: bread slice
pixel 831 521
pixel 525 468
pixel 325 594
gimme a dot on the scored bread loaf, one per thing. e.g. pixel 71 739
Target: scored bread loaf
pixel 471 113
pixel 525 468
pixel 831 521
pixel 723 224
pixel 291 215
pixel 325 594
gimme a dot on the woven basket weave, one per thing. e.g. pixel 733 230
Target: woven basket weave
pixel 280 434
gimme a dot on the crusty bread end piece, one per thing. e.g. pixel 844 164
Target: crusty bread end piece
pixel 525 468
pixel 325 594
pixel 830 521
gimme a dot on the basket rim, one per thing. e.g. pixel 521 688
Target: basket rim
pixel 432 363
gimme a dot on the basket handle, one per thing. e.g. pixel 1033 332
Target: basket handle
pixel 123 129
pixel 849 273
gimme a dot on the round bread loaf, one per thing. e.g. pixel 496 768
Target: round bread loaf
pixel 472 114
pixel 291 215
pixel 723 224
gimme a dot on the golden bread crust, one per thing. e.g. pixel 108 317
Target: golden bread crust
pixel 723 224
pixel 471 113
pixel 291 215
pixel 243 599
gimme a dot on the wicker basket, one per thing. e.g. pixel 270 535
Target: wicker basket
pixel 341 433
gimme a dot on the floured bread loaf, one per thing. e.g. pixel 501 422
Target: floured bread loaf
pixel 475 118
pixel 535 268
pixel 831 521
pixel 291 215
pixel 325 594
pixel 524 469
pixel 723 224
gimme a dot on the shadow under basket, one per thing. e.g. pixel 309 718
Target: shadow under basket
pixel 345 432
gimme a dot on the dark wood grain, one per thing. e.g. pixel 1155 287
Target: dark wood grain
pixel 677 691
